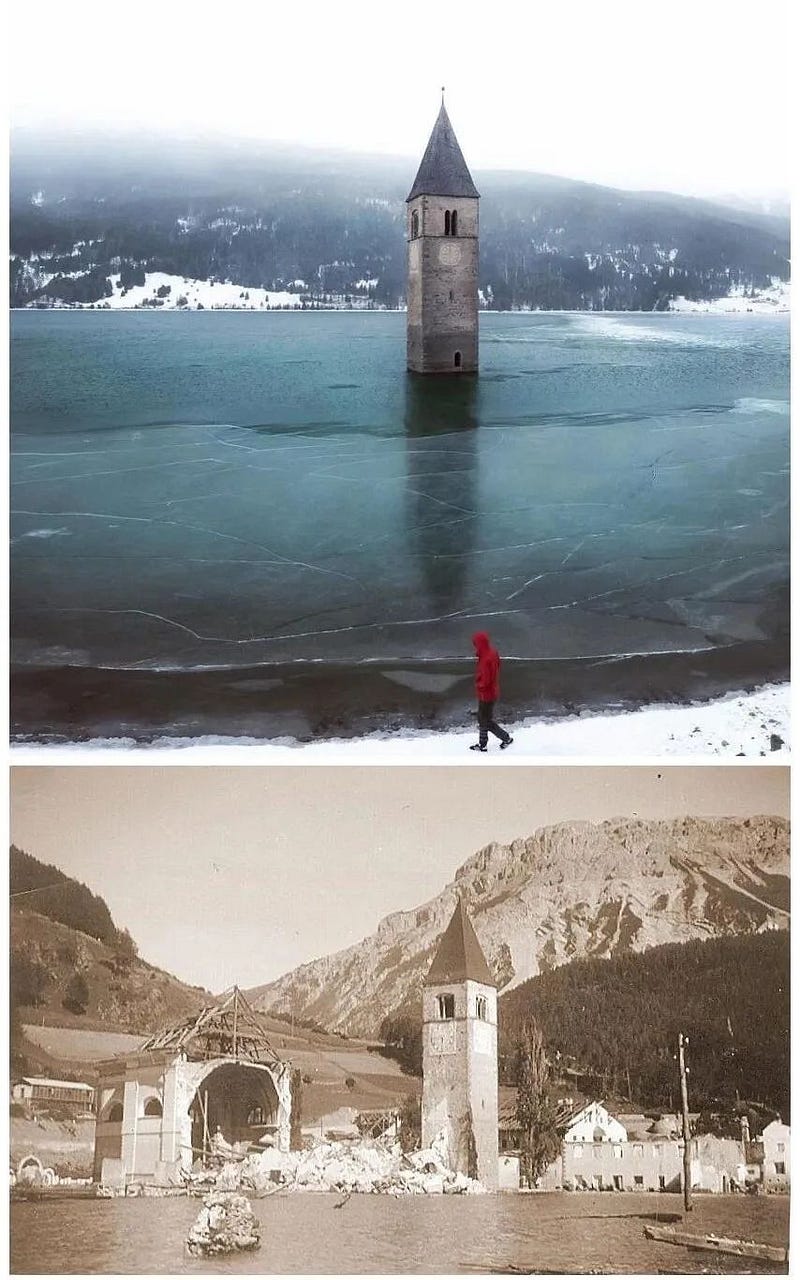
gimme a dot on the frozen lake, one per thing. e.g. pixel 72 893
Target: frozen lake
pixel 238 522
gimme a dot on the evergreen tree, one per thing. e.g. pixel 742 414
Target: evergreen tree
pixel 536 1114
pixel 76 995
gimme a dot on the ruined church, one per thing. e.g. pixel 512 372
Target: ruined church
pixel 442 284
pixel 459 1053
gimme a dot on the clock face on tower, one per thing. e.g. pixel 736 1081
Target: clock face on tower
pixel 449 254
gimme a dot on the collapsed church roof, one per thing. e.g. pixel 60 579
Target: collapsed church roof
pixel 231 1028
pixel 459 957
pixel 443 170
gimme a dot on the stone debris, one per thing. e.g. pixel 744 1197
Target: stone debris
pixel 371 1167
pixel 225 1224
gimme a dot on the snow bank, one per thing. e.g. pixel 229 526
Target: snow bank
pixel 740 724
pixel 777 298
pixel 189 295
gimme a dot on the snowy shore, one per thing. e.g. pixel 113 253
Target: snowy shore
pixel 164 292
pixel 776 300
pixel 739 725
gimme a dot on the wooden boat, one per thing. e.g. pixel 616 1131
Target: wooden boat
pixel 717 1244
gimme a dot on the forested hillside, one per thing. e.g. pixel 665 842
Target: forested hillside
pixel 611 1026
pixel 618 1020
pixel 90 216
pixel 37 886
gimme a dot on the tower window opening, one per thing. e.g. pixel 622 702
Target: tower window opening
pixel 153 1107
pixel 414 225
pixel 457 360
pixel 451 295
pixel 481 1009
pixel 256 1116
pixel 454 223
pixel 446 1007
pixel 447 222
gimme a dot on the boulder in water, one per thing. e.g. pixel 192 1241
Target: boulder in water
pixel 225 1224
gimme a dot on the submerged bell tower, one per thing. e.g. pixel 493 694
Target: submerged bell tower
pixel 459 1053
pixel 442 282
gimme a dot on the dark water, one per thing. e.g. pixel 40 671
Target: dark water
pixel 377 1234
pixel 226 515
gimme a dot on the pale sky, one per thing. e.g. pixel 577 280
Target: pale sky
pixel 690 96
pixel 227 875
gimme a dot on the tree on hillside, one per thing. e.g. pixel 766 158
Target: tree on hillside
pixel 29 980
pixel 76 996
pixel 402 1034
pixel 125 951
pixel 535 1112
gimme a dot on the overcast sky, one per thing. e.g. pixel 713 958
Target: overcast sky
pixel 238 874
pixel 682 95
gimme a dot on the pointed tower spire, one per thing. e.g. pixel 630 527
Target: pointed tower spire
pixel 460 957
pixel 443 170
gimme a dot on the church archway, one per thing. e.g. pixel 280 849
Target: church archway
pixel 237 1100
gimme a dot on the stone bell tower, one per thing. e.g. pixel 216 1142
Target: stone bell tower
pixel 459 1053
pixel 442 231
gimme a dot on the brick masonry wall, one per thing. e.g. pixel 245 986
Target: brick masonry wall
pixel 459 1070
pixel 442 292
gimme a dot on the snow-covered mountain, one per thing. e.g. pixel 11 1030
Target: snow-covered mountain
pixel 569 891
pixel 100 225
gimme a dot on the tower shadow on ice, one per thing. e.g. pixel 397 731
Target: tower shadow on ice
pixel 441 424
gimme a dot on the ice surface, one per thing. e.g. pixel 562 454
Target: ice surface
pixel 193 494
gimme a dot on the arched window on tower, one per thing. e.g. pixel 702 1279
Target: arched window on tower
pixel 153 1107
pixel 454 223
pixel 447 222
pixel 446 1006
pixel 457 360
pixel 414 225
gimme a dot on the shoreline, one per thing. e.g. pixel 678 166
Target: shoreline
pixel 738 724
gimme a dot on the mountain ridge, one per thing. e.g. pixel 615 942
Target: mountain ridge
pixel 570 890
pixel 91 218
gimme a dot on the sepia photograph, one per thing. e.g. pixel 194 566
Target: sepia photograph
pixel 381 1021
pixel 414 341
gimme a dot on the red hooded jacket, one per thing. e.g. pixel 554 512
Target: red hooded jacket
pixel 487 673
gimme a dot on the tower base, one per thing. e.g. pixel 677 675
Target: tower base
pixel 443 353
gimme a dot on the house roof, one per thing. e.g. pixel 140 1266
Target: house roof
pixel 459 957
pixel 443 170
pixel 231 1028
pixel 56 1084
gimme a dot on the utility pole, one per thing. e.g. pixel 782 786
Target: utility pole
pixel 683 1041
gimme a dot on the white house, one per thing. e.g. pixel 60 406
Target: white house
pixel 776 1140
pixel 595 1124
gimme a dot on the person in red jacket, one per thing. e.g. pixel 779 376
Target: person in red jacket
pixel 487 685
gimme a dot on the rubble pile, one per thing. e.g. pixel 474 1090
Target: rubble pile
pixel 368 1167
pixel 225 1224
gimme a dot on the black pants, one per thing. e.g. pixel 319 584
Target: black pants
pixel 487 725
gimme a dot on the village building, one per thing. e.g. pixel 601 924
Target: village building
pixel 459 1054
pixel 776 1149
pixel 442 278
pixel 211 1081
pixel 40 1092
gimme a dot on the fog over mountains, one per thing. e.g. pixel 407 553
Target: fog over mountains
pixel 91 216
pixel 571 891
